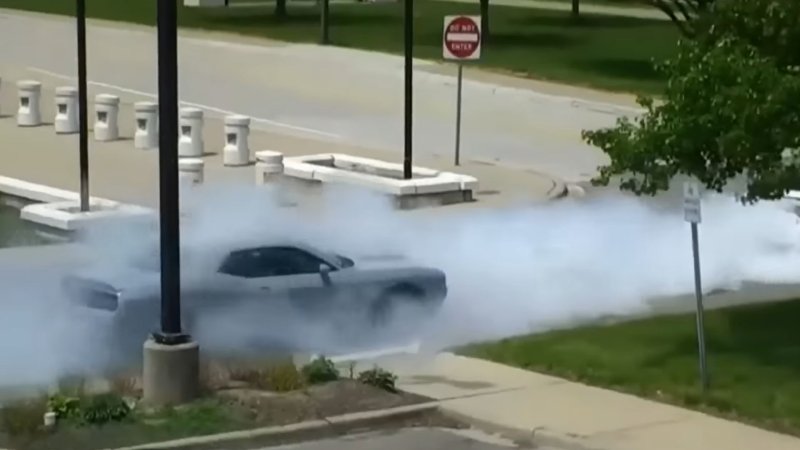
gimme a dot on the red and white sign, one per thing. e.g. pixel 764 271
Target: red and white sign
pixel 462 37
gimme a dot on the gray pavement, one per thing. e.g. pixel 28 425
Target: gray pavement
pixel 120 172
pixel 359 103
pixel 408 439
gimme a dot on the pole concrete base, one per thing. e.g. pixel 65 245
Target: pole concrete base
pixel 171 373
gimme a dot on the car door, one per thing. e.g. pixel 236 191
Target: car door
pixel 295 273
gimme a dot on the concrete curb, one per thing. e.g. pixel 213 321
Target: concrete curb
pixel 298 431
pixel 534 438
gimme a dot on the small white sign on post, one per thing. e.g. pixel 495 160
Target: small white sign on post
pixel 461 39
pixel 691 202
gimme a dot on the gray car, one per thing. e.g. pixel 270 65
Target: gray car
pixel 287 284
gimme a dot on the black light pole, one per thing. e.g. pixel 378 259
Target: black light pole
pixel 408 23
pixel 325 23
pixel 171 333
pixel 80 14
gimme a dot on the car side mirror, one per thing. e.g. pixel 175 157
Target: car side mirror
pixel 325 273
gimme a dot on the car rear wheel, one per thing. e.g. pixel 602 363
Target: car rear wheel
pixel 385 312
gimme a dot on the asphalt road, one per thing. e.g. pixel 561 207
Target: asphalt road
pixel 359 99
pixel 417 439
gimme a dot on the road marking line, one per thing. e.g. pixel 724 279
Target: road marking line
pixel 191 104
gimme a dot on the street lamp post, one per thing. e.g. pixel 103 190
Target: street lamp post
pixel 171 358
pixel 80 15
pixel 171 332
pixel 408 25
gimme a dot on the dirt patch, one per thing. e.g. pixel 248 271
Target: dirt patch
pixel 233 406
pixel 314 403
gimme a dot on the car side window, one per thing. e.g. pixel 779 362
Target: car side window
pixel 289 261
pixel 270 262
pixel 242 263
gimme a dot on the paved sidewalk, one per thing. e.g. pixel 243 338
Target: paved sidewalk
pixel 637 12
pixel 553 411
pixel 120 172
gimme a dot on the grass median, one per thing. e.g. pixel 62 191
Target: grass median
pixel 753 356
pixel 606 52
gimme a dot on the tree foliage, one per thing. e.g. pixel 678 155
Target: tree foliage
pixel 731 107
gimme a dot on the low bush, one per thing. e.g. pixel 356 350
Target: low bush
pixel 321 370
pixel 64 406
pixel 126 385
pixel 103 408
pixel 284 378
pixel 280 375
pixel 379 378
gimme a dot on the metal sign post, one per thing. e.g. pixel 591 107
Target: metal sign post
pixel 692 214
pixel 461 41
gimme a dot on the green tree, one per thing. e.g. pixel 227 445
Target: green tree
pixel 731 106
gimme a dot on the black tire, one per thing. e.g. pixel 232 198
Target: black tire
pixel 383 310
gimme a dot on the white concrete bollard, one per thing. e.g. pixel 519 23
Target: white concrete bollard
pixel 191 143
pixel 237 134
pixel 66 121
pixel 106 125
pixel 269 166
pixel 190 171
pixel 146 136
pixel 30 112
pixel 50 419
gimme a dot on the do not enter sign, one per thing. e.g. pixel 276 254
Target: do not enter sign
pixel 462 37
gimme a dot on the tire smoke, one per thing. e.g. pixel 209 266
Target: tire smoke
pixel 515 270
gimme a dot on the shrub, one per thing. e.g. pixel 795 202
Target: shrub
pixel 279 375
pixel 65 407
pixel 320 370
pixel 379 378
pixel 125 385
pixel 284 378
pixel 23 418
pixel 104 408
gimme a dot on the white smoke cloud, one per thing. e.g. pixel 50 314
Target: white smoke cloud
pixel 510 271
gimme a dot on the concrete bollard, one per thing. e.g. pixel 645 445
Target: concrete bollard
pixel 190 171
pixel 237 134
pixel 191 143
pixel 66 121
pixel 146 136
pixel 49 419
pixel 106 125
pixel 1 96
pixel 30 112
pixel 269 166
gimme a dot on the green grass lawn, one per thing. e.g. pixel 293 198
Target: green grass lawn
pixel 753 356
pixel 606 52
